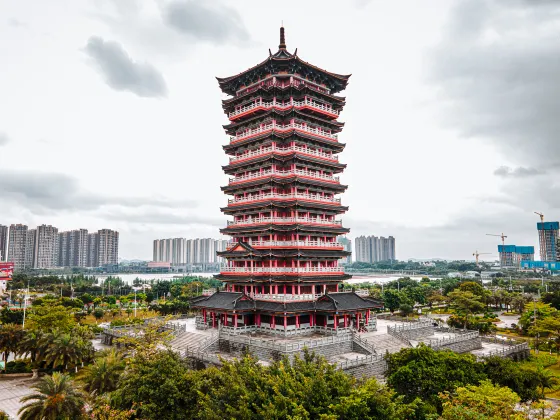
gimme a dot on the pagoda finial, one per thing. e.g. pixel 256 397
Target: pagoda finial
pixel 282 45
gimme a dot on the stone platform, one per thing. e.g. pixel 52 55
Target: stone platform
pixel 360 354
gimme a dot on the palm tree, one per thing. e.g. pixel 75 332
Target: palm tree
pixel 67 350
pixel 56 398
pixel 30 346
pixel 102 376
pixel 11 336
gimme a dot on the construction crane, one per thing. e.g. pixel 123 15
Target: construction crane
pixel 501 236
pixel 540 215
pixel 476 254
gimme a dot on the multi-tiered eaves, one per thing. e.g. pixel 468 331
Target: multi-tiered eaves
pixel 282 272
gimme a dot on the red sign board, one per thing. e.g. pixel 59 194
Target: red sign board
pixel 6 270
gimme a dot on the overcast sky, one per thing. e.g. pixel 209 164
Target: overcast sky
pixel 110 114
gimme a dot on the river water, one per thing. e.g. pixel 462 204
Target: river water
pixel 129 278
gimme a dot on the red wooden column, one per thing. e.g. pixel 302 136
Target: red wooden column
pixel 235 320
pixel 285 323
pixel 367 317
pixel 297 321
pixel 335 322
pixel 213 320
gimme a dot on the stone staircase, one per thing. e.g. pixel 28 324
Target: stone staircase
pixel 184 340
pixel 386 342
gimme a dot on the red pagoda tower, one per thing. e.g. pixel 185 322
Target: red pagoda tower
pixel 282 274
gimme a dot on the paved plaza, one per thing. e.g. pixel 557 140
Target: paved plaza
pixel 11 390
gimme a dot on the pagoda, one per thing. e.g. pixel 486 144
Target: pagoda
pixel 282 274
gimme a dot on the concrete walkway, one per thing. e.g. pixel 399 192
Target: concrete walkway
pixel 11 391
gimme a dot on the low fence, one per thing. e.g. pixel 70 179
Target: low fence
pixel 285 347
pixel 359 361
pixel 364 343
pixel 286 332
pixel 444 342
pixel 506 351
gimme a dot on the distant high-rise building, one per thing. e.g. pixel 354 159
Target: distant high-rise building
pixel 45 251
pixel 30 248
pixel 3 243
pixel 16 246
pixel 371 249
pixel 363 249
pixel 180 251
pixel 221 245
pixel 548 239
pixel 73 248
pixel 107 247
pixel 93 242
pixel 172 250
pixel 347 243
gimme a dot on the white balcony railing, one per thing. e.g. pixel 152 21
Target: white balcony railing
pixel 279 196
pixel 284 128
pixel 285 298
pixel 290 244
pixel 284 151
pixel 291 172
pixel 266 220
pixel 260 104
pixel 289 270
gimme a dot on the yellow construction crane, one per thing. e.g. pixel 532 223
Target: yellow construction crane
pixel 476 254
pixel 540 215
pixel 501 236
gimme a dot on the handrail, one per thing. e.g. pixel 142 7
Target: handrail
pixel 283 106
pixel 291 172
pixel 289 196
pixel 358 361
pixel 263 220
pixel 364 343
pixel 257 270
pixel 299 244
pixel 285 127
pixel 505 351
pixel 286 347
pixel 435 344
pixel 291 149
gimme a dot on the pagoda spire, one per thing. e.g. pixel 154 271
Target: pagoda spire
pixel 282 45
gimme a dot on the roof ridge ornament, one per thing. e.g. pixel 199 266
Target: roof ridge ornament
pixel 282 45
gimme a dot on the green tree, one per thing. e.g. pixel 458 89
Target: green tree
pixel 466 303
pixel 518 377
pixel 102 376
pixel 48 318
pixel 56 398
pixel 98 313
pixel 11 336
pixel 392 299
pixel 67 350
pixel 431 372
pixel 406 309
pixel 161 381
pixel 371 401
pixel 483 402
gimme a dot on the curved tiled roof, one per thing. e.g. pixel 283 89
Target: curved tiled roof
pixel 331 302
